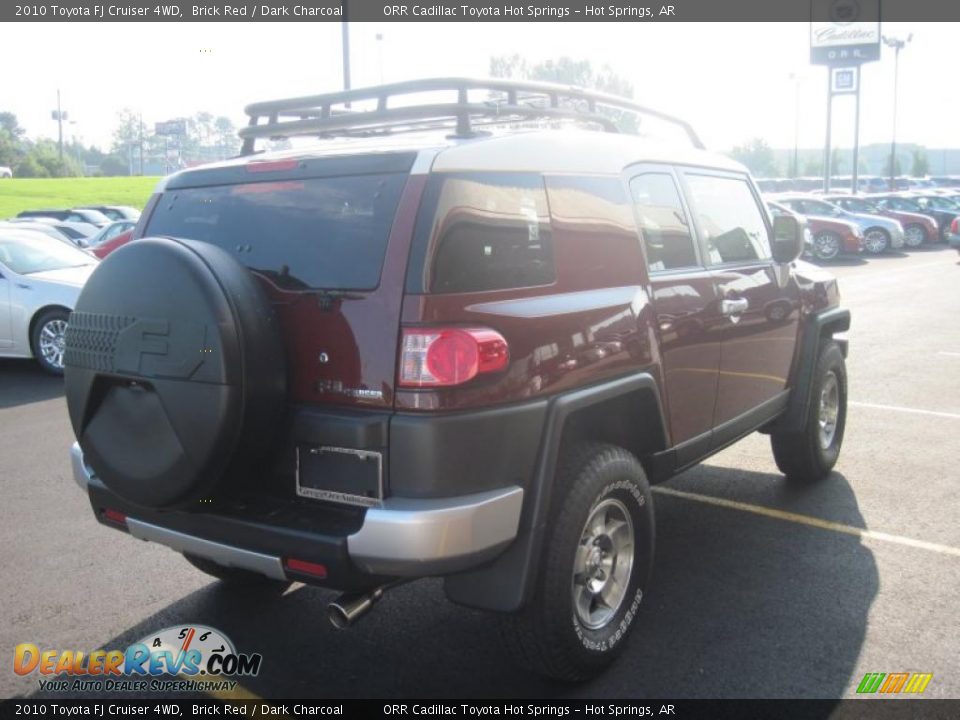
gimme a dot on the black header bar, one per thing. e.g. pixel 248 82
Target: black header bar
pixel 476 11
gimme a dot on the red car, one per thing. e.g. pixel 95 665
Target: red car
pixel 104 249
pixel 832 238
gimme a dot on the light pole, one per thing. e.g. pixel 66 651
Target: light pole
pixel 897 45
pixel 59 115
pixel 796 124
pixel 379 37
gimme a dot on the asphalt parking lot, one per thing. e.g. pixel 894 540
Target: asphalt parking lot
pixel 759 590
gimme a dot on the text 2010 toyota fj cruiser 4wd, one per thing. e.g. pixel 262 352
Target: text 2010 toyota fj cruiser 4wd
pixel 465 351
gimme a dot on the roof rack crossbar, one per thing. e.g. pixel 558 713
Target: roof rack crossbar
pixel 331 114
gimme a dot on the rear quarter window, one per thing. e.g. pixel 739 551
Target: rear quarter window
pixel 478 232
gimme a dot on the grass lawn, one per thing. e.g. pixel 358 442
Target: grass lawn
pixel 38 193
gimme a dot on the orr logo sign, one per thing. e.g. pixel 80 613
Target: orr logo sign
pixel 844 32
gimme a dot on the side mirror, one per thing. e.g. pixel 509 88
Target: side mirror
pixel 787 238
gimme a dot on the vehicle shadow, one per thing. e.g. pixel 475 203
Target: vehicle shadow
pixel 849 261
pixel 23 382
pixel 740 606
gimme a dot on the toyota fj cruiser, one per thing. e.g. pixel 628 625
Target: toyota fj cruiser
pixel 463 351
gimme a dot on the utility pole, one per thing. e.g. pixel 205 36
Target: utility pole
pixel 59 116
pixel 141 144
pixel 796 124
pixel 345 47
pixel 897 45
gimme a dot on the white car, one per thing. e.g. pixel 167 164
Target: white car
pixel 40 280
pixel 5 172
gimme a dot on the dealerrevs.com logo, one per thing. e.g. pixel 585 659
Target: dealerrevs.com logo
pixel 203 657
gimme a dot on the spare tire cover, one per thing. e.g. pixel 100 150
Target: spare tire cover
pixel 174 370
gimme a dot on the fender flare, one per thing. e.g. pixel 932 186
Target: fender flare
pixel 816 328
pixel 506 584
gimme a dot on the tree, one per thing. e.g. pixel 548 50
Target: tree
pixel 43 160
pixel 921 166
pixel 837 162
pixel 896 167
pixel 568 71
pixel 813 167
pixel 757 155
pixel 11 140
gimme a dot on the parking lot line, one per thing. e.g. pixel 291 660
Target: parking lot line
pixel 809 520
pixel 897 408
pixel 895 271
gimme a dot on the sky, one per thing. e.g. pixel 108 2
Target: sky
pixel 732 81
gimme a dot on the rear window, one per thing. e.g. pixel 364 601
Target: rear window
pixel 482 231
pixel 315 233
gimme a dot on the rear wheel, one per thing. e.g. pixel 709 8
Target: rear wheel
pixel 914 236
pixel 809 454
pixel 48 338
pixel 826 245
pixel 235 576
pixel 876 241
pixel 597 556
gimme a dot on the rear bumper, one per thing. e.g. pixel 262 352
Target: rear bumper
pixel 405 537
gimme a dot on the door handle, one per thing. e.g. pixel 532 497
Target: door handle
pixel 734 306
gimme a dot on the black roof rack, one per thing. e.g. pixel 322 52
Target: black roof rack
pixel 509 101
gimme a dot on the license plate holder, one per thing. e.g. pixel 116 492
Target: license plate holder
pixel 340 475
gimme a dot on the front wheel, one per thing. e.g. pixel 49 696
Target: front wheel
pixel 914 236
pixel 876 241
pixel 48 338
pixel 809 454
pixel 826 245
pixel 598 552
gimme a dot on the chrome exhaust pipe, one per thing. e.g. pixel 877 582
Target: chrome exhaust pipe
pixel 350 607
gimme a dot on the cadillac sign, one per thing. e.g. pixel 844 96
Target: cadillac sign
pixel 844 32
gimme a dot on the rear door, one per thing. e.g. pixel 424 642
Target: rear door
pixel 759 301
pixel 328 239
pixel 685 301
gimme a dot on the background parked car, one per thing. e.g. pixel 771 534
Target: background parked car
pixel 41 227
pixel 78 232
pixel 84 215
pixel 40 280
pixel 110 232
pixel 953 234
pixel 917 228
pixel 5 172
pixel 910 203
pixel 105 248
pixel 833 238
pixel 880 233
pixel 115 212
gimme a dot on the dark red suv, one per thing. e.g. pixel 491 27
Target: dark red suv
pixel 464 351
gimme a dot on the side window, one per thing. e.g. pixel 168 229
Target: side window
pixel 729 218
pixel 73 217
pixel 488 232
pixel 665 229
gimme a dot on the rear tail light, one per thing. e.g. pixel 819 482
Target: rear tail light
pixel 305 567
pixel 114 516
pixel 441 357
pixel 954 226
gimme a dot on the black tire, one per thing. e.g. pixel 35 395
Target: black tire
pixel 809 455
pixel 876 241
pixel 549 636
pixel 47 330
pixel 827 245
pixel 914 235
pixel 235 576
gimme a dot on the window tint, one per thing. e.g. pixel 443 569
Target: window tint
pixel 729 219
pixel 666 232
pixel 483 231
pixel 328 233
